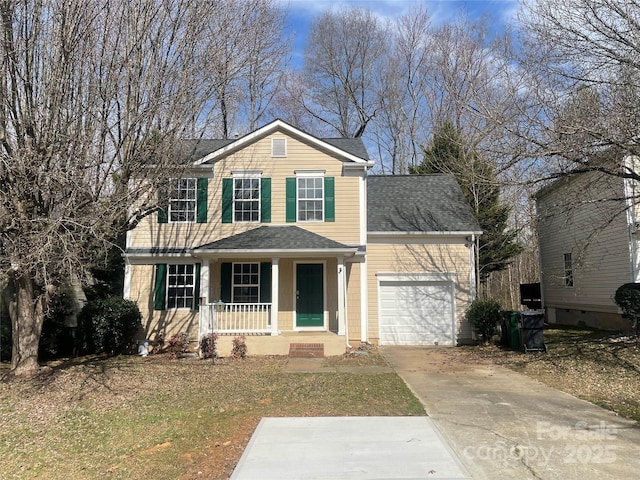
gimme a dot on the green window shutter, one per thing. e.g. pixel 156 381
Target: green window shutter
pixel 329 199
pixel 160 287
pixel 291 199
pixel 265 200
pixel 225 282
pixel 202 200
pixel 227 200
pixel 163 202
pixel 265 282
pixel 196 288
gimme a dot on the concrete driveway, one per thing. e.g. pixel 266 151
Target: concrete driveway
pixel 503 425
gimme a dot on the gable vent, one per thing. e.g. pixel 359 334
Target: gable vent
pixel 279 147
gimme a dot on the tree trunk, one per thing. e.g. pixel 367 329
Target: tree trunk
pixel 27 327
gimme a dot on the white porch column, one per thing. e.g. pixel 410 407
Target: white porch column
pixel 364 302
pixel 274 295
pixel 342 311
pixel 206 322
pixel 204 281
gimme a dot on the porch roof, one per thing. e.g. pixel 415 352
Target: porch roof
pixel 277 239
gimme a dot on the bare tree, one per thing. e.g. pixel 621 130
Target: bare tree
pixel 92 93
pixel 247 60
pixel 343 57
pixel 582 59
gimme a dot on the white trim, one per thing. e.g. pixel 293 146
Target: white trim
pixel 126 291
pixel 342 310
pixel 364 302
pixel 325 313
pixel 425 234
pixel 472 269
pixel 280 125
pixel 416 276
pixel 275 294
pixel 362 193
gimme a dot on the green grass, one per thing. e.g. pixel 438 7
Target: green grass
pixel 133 418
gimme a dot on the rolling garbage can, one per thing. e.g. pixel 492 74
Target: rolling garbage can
pixel 504 328
pixel 514 331
pixel 531 335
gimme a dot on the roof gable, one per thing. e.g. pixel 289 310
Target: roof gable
pixel 418 203
pixel 351 150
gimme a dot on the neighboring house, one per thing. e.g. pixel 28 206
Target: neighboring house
pixel 588 243
pixel 284 237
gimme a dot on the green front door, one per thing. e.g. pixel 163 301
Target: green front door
pixel 309 295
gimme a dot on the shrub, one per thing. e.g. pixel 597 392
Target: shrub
pixel 627 297
pixel 484 316
pixel 239 349
pixel 109 325
pixel 178 345
pixel 208 346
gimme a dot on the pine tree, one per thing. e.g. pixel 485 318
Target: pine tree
pixel 448 153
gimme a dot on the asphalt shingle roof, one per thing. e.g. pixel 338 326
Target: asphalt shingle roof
pixel 274 238
pixel 418 203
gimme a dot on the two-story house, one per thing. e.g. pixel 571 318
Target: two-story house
pixel 284 237
pixel 588 227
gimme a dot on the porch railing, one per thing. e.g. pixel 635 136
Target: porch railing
pixel 238 318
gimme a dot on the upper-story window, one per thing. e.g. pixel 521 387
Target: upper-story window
pixel 182 200
pixel 246 199
pixel 310 199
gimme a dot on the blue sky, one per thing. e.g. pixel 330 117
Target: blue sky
pixel 302 12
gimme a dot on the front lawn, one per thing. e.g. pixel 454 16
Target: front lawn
pixel 141 418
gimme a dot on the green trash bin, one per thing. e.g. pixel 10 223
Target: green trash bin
pixel 514 332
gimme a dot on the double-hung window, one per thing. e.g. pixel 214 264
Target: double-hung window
pixel 246 199
pixel 568 270
pixel 246 283
pixel 182 200
pixel 310 199
pixel 180 286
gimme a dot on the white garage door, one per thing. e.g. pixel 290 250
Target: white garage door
pixel 416 312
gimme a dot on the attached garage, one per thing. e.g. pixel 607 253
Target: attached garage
pixel 417 309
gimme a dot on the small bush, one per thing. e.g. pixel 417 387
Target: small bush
pixel 208 347
pixel 627 297
pixel 484 316
pixel 239 349
pixel 178 345
pixel 108 325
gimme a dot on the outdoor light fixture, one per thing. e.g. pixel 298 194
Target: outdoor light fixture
pixel 219 306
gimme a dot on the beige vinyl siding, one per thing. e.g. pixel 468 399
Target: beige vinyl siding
pixel 574 217
pixel 429 255
pixel 300 156
pixel 155 323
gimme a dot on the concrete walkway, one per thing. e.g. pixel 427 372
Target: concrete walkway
pixel 504 425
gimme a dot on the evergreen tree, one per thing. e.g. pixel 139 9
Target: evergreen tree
pixel 448 153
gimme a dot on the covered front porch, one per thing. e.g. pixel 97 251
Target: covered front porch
pixel 294 283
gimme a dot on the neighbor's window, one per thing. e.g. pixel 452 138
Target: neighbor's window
pixel 180 286
pixel 182 200
pixel 246 283
pixel 568 270
pixel 246 199
pixel 310 199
